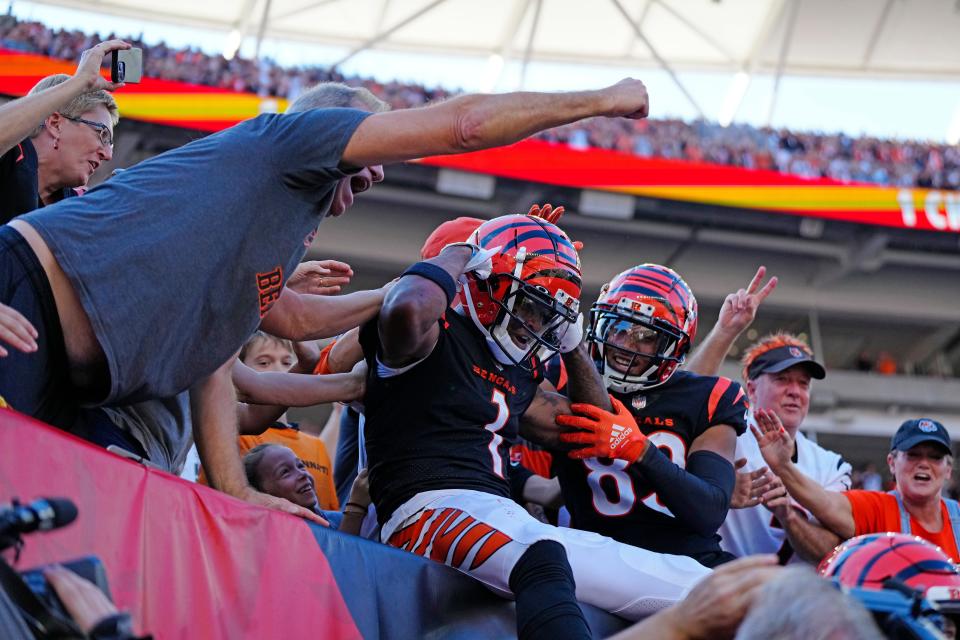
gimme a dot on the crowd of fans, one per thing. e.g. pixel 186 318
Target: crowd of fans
pixel 474 398
pixel 806 154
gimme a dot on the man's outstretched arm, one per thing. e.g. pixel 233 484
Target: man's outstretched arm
pixel 299 316
pixel 473 122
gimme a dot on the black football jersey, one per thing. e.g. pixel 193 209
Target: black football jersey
pixel 608 497
pixel 446 423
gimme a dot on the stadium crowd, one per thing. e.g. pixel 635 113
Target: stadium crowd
pixel 652 487
pixel 806 154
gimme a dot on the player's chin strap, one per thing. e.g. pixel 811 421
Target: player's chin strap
pixel 498 354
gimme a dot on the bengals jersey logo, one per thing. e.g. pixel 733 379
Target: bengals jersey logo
pixel 269 286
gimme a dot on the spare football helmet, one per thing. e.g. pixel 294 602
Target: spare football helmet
pixel 871 561
pixel 646 314
pixel 533 290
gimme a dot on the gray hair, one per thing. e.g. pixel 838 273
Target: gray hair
pixel 79 105
pixel 800 605
pixel 335 94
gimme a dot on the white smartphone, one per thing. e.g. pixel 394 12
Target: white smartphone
pixel 126 65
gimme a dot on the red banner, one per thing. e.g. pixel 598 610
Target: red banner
pixel 185 560
pixel 211 109
pixel 538 161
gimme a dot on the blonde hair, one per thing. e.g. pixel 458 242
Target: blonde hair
pixel 336 94
pixel 769 342
pixel 259 337
pixel 79 105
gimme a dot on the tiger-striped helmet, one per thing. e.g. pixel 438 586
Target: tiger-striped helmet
pixel 641 327
pixel 878 561
pixel 533 292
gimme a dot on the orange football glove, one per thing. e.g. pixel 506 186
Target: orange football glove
pixel 605 434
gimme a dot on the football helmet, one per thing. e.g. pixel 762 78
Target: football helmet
pixel 532 295
pixel 870 561
pixel 646 314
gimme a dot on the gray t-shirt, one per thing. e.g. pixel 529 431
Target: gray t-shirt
pixel 177 259
pixel 162 427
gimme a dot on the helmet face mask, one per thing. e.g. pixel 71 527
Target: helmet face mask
pixel 532 295
pixel 641 328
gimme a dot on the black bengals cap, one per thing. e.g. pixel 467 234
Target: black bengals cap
pixel 914 432
pixel 781 358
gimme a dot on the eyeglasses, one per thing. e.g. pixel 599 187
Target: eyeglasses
pixel 106 136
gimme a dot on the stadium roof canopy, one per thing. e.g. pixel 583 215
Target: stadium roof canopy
pixel 874 38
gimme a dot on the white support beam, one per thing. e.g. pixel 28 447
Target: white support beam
pixel 527 50
pixel 877 32
pixel 505 47
pixel 383 35
pixel 306 7
pixel 782 59
pixel 661 61
pixel 262 30
pixel 706 37
pixel 239 31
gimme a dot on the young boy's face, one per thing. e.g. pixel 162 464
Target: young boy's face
pixel 269 355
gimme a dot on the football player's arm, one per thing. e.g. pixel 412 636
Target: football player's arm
pixel 699 494
pixel 473 122
pixel 299 316
pixel 213 409
pixel 538 423
pixel 408 320
pixel 736 314
pixel 584 383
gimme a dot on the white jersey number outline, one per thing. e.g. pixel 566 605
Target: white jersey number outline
pixel 668 442
pixel 503 414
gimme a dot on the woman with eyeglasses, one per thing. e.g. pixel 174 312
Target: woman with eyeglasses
pixel 54 138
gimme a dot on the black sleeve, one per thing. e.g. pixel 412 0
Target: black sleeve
pixel 699 496
pixel 518 476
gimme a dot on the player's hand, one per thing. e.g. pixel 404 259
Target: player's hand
pixel 320 277
pixel 572 335
pixel 750 485
pixel 716 606
pixel 85 603
pixel 16 331
pixel 776 445
pixel 551 215
pixel 88 69
pixel 740 308
pixel 628 98
pixel 480 263
pixel 280 504
pixel 606 434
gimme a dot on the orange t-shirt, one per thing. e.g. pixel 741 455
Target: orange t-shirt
pixel 309 448
pixel 876 512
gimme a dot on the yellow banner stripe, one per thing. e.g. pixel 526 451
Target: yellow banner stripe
pixel 198 106
pixel 810 198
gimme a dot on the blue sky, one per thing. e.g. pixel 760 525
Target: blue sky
pixel 900 109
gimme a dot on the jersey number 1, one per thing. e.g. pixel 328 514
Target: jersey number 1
pixel 503 413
